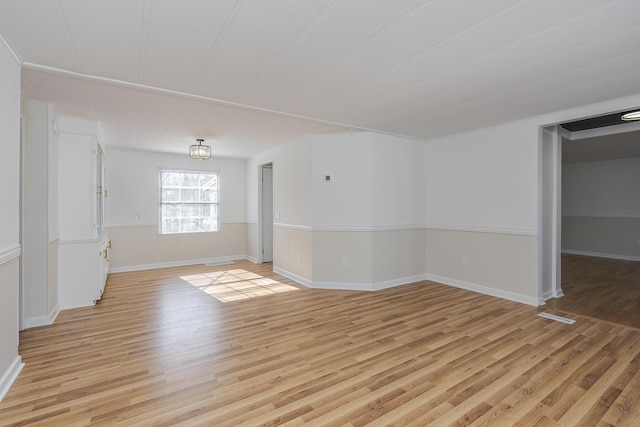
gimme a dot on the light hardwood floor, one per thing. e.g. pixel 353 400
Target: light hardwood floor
pixel 239 345
pixel 602 288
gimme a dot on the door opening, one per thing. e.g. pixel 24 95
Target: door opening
pixel 266 213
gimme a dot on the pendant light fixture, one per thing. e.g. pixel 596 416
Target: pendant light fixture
pixel 199 151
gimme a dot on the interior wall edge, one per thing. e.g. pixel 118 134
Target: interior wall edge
pixel 10 375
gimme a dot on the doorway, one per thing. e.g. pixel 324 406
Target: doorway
pixel 596 174
pixel 265 229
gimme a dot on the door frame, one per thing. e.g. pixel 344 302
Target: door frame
pixel 22 289
pixel 261 166
pixel 550 214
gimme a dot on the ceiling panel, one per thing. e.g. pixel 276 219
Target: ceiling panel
pixel 457 58
pixel 343 29
pixel 37 32
pixel 256 35
pixel 179 42
pixel 106 36
pixel 160 73
pixel 424 31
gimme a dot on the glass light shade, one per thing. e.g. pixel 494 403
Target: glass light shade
pixel 199 151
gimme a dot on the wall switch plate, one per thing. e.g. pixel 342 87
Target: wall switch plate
pixel 465 260
pixel 345 261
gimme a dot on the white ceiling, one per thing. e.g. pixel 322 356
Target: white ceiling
pixel 249 74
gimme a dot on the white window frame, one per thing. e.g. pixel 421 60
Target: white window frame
pixel 161 203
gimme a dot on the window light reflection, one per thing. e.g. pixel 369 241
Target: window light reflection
pixel 236 285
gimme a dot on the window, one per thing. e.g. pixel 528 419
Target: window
pixel 188 202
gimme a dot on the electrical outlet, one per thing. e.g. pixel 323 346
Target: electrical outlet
pixel 465 260
pixel 182 246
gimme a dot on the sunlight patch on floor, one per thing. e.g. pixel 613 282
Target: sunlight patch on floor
pixel 236 285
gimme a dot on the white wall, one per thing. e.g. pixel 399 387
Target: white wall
pixel 292 205
pixel 10 361
pixel 40 214
pixel 346 200
pixel 398 181
pixel 484 179
pixel 602 189
pixel 601 208
pixel 362 229
pixel 133 210
pixel 481 207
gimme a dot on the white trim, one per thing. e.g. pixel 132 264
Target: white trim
pixel 511 296
pixel 293 277
pixel 180 263
pixel 54 236
pixel 601 255
pixel 13 53
pixel 80 241
pixel 399 227
pixel 342 286
pixel 346 286
pixel 367 228
pixel 292 226
pixel 10 376
pixel 601 216
pixel 482 229
pixel 7 254
pixel 398 282
pixel 604 131
pixel 138 224
pixel 33 322
pixel 251 258
pixel 155 224
pixel 551 294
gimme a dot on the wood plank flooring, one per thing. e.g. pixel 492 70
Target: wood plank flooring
pixel 601 288
pixel 239 345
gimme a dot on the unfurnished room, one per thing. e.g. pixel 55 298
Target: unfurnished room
pixel 321 212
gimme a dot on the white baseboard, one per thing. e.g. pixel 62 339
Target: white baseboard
pixel 601 255
pixel 33 322
pixel 294 277
pixel 550 294
pixel 180 263
pixel 511 296
pixel 398 282
pixel 9 376
pixel 349 286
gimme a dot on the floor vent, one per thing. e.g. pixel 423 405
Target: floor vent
pixel 558 318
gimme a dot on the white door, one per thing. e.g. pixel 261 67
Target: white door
pixel 267 213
